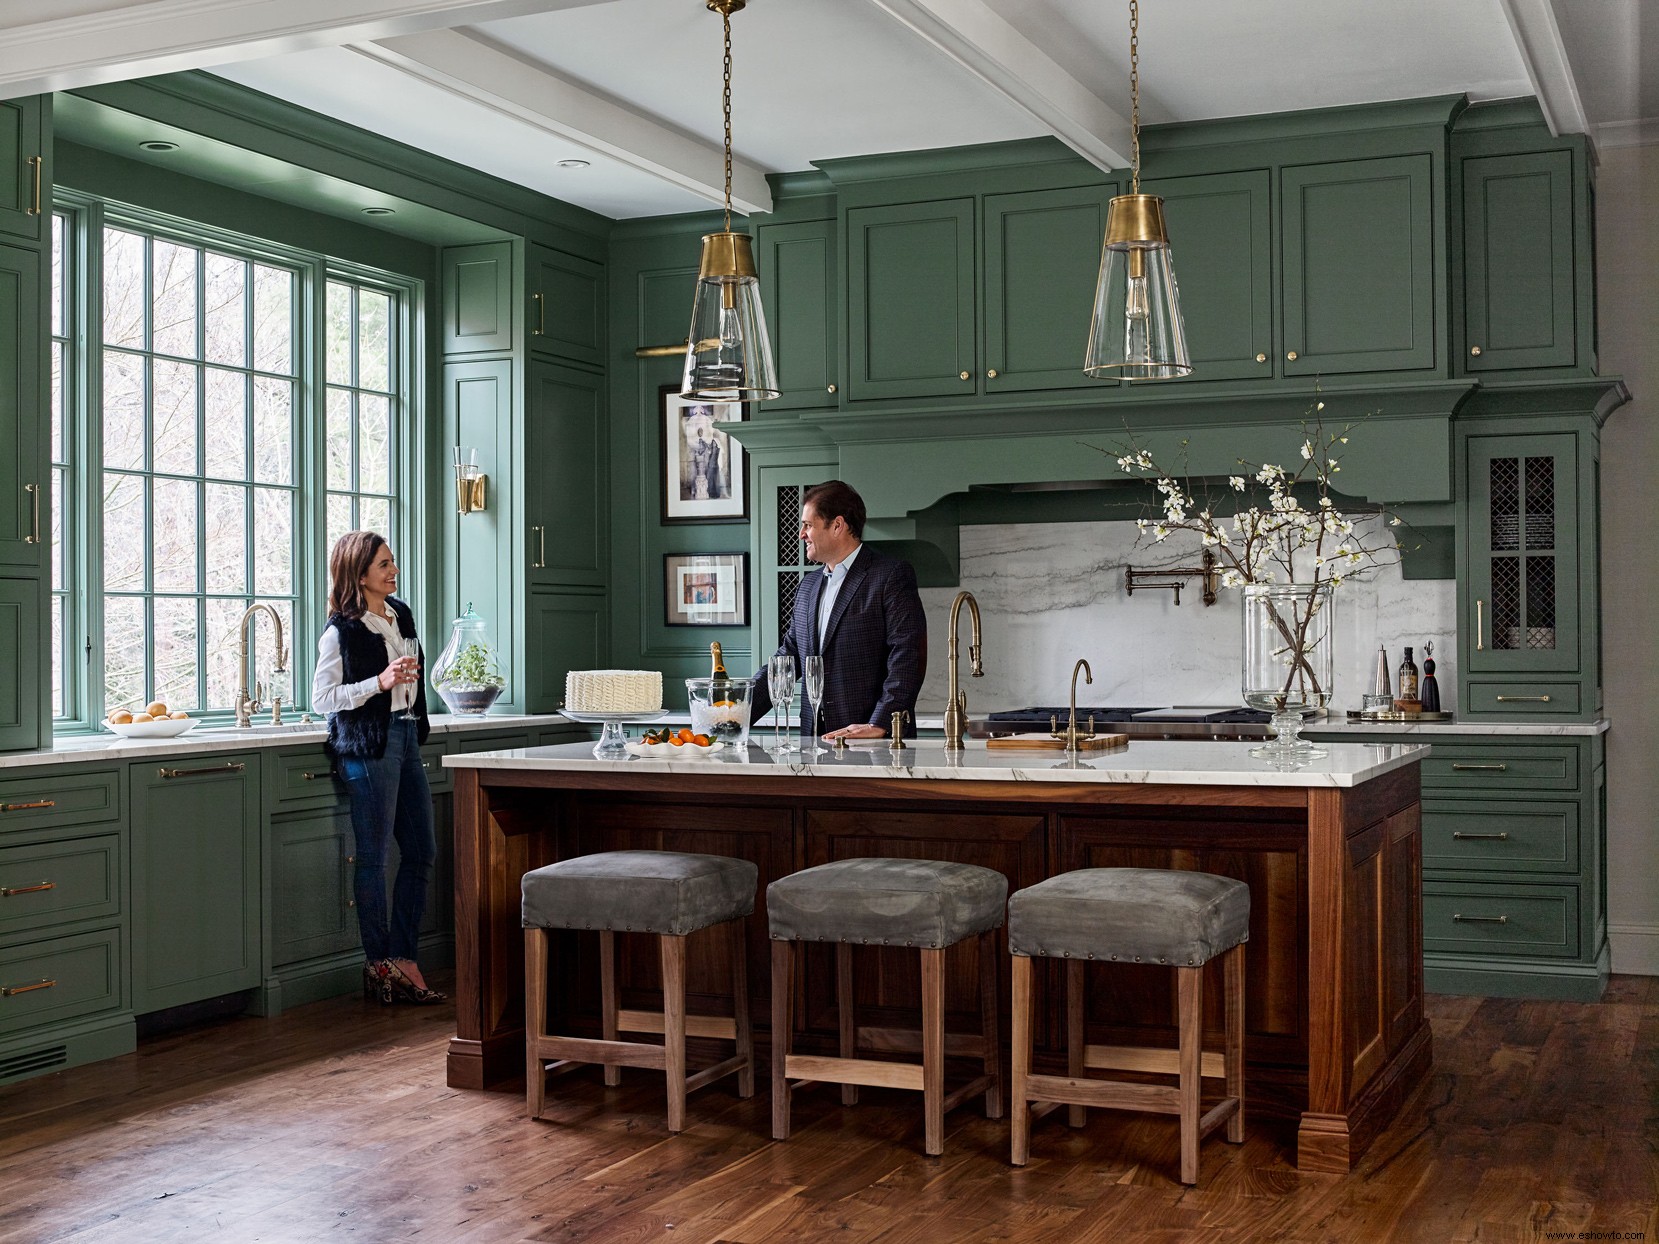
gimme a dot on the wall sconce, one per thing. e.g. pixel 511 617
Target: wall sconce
pixel 470 482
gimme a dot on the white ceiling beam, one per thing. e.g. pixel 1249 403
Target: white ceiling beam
pixel 470 67
pixel 112 40
pixel 991 48
pixel 1538 37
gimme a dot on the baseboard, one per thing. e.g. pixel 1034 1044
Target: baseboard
pixel 1635 949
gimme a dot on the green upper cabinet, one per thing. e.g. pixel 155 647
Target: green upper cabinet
pixel 564 474
pixel 1359 260
pixel 564 631
pixel 1518 265
pixel 24 718
pixel 910 300
pixel 1221 237
pixel 1042 259
pixel 797 265
pixel 25 513
pixel 478 300
pixel 566 311
pixel 25 183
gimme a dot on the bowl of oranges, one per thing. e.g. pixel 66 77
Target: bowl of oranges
pixel 153 721
pixel 660 744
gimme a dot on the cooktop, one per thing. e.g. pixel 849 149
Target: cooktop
pixel 1112 714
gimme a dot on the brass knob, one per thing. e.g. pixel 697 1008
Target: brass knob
pixel 992 373
pixel 830 389
pixel 1261 358
pixel 962 376
pixel 351 902
pixel 1291 356
pixel 1475 350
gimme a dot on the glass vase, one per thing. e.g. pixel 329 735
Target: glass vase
pixel 468 673
pixel 1287 661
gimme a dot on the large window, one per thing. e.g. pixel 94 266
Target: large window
pixel 230 385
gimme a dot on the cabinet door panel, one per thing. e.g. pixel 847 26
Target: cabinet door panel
pixel 24 720
pixel 312 909
pixel 25 510
pixel 1359 259
pixel 1042 257
pixel 564 473
pixel 24 212
pixel 797 287
pixel 1518 262
pixel 566 632
pixel 567 314
pixel 910 292
pixel 478 298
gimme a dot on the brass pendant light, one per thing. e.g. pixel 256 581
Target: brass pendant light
pixel 1136 332
pixel 728 355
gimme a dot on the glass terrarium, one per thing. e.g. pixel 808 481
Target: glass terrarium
pixel 468 673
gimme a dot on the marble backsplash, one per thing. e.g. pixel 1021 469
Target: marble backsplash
pixel 1049 593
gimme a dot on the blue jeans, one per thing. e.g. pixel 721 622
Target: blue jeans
pixel 390 800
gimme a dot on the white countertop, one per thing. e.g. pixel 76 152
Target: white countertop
pixel 1538 729
pixel 1148 761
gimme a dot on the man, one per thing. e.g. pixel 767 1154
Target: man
pixel 862 613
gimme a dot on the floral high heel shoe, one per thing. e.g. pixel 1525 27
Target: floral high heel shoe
pixel 377 981
pixel 402 989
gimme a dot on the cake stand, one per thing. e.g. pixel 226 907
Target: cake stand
pixel 613 740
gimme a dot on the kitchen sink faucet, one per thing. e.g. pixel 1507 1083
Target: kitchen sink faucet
pixel 246 707
pixel 956 711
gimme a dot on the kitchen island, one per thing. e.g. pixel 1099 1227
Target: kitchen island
pixel 1331 851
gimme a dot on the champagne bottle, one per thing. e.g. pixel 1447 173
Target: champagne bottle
pixel 718 678
pixel 1408 678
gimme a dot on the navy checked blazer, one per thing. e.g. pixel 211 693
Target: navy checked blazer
pixel 875 647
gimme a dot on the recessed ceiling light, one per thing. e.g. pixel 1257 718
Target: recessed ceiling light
pixel 380 211
pixel 158 144
pixel 573 164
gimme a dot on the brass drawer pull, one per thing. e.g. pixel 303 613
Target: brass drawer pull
pixel 1523 699
pixel 1462 919
pixel 540 329
pixel 1479 768
pixel 34 205
pixel 314 777
pixel 1480 626
pixel 11 991
pixel 541 548
pixel 1503 837
pixel 8 891
pixel 230 766
pixel 24 807
pixel 34 523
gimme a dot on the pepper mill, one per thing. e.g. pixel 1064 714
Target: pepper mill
pixel 1429 691
pixel 898 744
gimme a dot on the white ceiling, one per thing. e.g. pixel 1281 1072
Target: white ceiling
pixel 633 86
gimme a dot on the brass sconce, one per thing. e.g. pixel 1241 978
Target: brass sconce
pixel 470 482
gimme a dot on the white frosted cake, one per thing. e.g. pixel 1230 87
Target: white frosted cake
pixel 613 691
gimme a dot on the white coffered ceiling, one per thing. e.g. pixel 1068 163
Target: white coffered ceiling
pixel 633 86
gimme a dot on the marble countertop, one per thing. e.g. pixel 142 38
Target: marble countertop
pixel 1152 762
pixel 1539 729
pixel 81 749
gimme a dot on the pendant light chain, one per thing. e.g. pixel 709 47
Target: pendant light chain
pixel 726 107
pixel 1134 92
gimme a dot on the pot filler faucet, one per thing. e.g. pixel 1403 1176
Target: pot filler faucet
pixel 246 707
pixel 956 711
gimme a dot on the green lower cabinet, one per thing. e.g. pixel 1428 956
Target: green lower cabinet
pixel 311 905
pixel 25 721
pixel 195 878
pixel 57 979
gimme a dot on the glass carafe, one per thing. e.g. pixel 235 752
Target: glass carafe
pixel 468 674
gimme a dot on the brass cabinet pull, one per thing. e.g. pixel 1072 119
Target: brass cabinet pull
pixel 313 777
pixel 830 389
pixel 8 891
pixel 1523 699
pixel 1498 768
pixel 540 330
pixel 963 375
pixel 23 807
pixel 34 505
pixel 351 902
pixel 1261 358
pixel 1291 355
pixel 11 991
pixel 1503 837
pixel 1480 626
pixel 541 548
pixel 229 766
pixel 1475 350
pixel 992 373
pixel 34 163
pixel 1462 919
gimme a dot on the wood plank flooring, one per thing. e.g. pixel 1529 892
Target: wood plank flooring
pixel 333 1122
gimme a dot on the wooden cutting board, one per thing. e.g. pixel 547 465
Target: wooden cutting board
pixel 1043 743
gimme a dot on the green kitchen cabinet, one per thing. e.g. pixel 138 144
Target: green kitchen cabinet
pixel 25 717
pixel 25 506
pixel 564 475
pixel 565 630
pixel 25 173
pixel 477 300
pixel 565 316
pixel 195 877
pixel 1359 257
pixel 798 285
pixel 312 908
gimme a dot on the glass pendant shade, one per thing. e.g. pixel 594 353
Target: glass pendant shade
pixel 1136 332
pixel 730 356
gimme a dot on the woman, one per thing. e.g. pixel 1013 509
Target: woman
pixel 369 682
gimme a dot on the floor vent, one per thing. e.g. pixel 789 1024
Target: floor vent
pixel 33 1062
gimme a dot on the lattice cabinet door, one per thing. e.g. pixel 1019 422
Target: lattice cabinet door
pixel 1523 553
pixel 782 563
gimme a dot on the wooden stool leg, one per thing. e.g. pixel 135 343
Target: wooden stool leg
pixel 1075 1040
pixel 783 971
pixel 846 1014
pixel 990 1003
pixel 607 999
pixel 1020 1149
pixel 673 1026
pixel 535 1019
pixel 1233 975
pixel 1190 1009
pixel 740 1007
pixel 933 1050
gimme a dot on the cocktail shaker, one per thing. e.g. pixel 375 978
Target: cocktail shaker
pixel 1381 695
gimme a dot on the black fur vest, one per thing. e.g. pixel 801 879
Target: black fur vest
pixel 361 732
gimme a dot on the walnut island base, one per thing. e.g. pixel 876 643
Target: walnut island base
pixel 1335 1034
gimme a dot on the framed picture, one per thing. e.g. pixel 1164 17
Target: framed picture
pixel 706 589
pixel 703 469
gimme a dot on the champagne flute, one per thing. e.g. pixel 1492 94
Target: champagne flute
pixel 812 678
pixel 780 679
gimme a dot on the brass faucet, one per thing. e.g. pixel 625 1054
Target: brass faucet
pixel 956 710
pixel 1071 736
pixel 246 707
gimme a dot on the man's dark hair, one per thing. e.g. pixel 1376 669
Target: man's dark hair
pixel 834 499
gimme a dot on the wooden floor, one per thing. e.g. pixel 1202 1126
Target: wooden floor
pixel 1541 1120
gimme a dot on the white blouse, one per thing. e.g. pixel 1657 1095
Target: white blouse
pixel 330 695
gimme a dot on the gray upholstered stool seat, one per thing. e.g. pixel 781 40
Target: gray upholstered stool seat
pixel 671 894
pixel 1130 915
pixel 927 905
pixel 1177 918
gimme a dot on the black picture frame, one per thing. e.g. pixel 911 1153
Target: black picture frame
pixel 706 589
pixel 701 485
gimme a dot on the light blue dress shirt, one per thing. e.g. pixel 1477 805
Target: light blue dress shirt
pixel 834 577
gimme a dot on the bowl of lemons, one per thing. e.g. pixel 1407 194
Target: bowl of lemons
pixel 153 721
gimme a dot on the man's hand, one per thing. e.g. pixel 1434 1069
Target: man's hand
pixel 857 732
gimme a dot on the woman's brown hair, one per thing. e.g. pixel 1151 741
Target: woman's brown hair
pixel 353 554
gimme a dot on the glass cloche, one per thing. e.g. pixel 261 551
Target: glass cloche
pixel 468 674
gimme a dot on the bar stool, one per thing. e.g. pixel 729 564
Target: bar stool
pixel 926 904
pixel 1133 915
pixel 671 894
